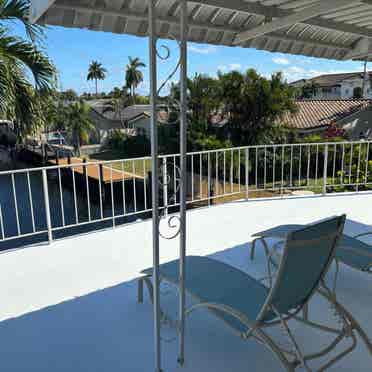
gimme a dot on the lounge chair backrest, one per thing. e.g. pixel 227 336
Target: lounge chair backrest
pixel 306 258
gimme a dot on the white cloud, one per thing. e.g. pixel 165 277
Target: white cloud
pixel 230 67
pixel 296 70
pixel 281 61
pixel 235 66
pixel 199 49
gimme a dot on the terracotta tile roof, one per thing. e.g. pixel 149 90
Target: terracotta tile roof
pixel 319 113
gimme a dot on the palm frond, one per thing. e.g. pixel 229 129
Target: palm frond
pixel 6 91
pixel 31 57
pixel 18 10
pixel 96 71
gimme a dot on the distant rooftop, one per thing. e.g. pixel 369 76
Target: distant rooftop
pixel 126 114
pixel 328 80
pixel 320 113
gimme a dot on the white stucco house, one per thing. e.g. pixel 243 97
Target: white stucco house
pixel 337 86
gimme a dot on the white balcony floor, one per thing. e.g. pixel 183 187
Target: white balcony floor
pixel 72 306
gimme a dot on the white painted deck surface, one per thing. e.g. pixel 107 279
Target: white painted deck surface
pixel 72 306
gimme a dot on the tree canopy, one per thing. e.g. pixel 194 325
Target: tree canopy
pixel 96 72
pixel 252 106
pixel 133 75
pixel 25 70
pixel 79 124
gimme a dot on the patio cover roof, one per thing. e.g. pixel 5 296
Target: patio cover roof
pixel 333 29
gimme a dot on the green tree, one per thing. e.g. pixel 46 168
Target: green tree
pixel 358 93
pixel 203 96
pixel 96 72
pixel 133 75
pixel 25 70
pixel 308 90
pixel 117 104
pixel 142 100
pixel 255 106
pixel 79 124
pixel 116 92
pixel 123 145
pixel 69 95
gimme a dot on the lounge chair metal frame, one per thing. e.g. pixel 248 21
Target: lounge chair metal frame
pixel 368 270
pixel 293 358
pixel 272 252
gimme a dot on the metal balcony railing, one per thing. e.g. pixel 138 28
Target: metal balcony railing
pixel 43 204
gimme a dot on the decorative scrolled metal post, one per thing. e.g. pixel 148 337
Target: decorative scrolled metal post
pixel 183 183
pixel 176 225
pixel 165 186
pixel 154 180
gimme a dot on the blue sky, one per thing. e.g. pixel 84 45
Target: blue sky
pixel 72 50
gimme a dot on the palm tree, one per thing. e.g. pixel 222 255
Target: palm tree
pixel 133 75
pixel 25 70
pixel 96 72
pixel 79 125
pixel 117 104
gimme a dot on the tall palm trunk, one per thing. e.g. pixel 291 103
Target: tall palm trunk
pixel 96 87
pixel 134 94
pixel 78 145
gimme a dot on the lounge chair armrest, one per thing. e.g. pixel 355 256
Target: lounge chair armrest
pixel 359 252
pixel 363 234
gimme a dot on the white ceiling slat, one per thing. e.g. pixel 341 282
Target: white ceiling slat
pixel 173 20
pixel 332 31
pixel 257 8
pixel 362 48
pixel 248 7
pixel 339 15
pixel 315 10
pixel 298 4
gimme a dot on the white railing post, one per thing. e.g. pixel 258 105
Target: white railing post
pixel 183 181
pixel 154 181
pixel 325 169
pixel 2 223
pixel 47 205
pixel 165 186
pixel 247 173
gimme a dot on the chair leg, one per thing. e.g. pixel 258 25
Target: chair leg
pixel 354 324
pixel 254 332
pixel 140 291
pixel 337 270
pixel 253 249
pixel 357 327
pixel 275 349
pixel 141 281
pixel 268 259
pixel 299 355
pixel 305 311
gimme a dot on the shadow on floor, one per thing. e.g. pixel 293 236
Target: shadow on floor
pixel 107 331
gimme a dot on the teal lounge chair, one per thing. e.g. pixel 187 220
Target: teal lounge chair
pixel 248 307
pixel 351 251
